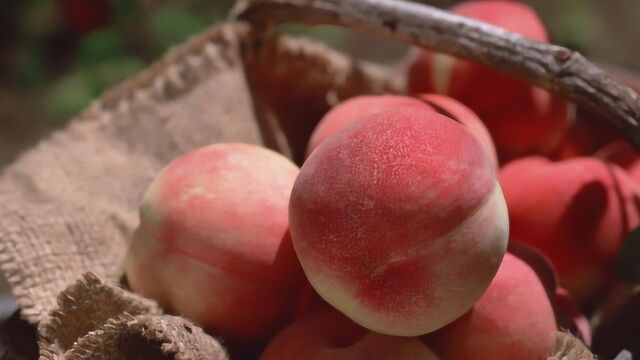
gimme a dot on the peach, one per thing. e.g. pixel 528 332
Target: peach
pixel 576 212
pixel 477 86
pixel 388 213
pixel 569 316
pixel 353 109
pixel 571 312
pixel 620 152
pixel 513 319
pixel 213 242
pixel 459 112
pixel 521 118
pixel 585 136
pixel 331 335
pixel 532 124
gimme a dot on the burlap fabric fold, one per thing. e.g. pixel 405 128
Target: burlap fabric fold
pixel 69 205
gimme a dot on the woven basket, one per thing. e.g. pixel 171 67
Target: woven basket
pixel 69 205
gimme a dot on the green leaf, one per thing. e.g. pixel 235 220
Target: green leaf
pixel 68 96
pixel 172 25
pixel 110 71
pixel 629 258
pixel 99 45
pixel 573 23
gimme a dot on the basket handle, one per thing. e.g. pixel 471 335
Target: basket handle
pixel 555 68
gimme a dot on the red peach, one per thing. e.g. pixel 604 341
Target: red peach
pixel 569 309
pixel 532 124
pixel 591 131
pixel 477 86
pixel 620 152
pixel 521 118
pixel 513 319
pixel 569 316
pixel 352 110
pixel 213 242
pixel 586 135
pixel 392 211
pixel 576 212
pixel 459 112
pixel 331 335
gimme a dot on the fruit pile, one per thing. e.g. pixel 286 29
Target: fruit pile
pixel 418 227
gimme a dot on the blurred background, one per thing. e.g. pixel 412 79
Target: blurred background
pixel 56 56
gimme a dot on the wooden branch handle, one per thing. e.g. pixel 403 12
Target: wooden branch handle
pixel 555 68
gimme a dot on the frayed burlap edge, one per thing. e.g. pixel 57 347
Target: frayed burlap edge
pixel 96 320
pixel 178 71
pixel 568 347
pixel 147 337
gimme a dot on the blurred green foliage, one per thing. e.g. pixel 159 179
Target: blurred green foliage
pixel 172 24
pixel 70 62
pixel 64 53
pixel 572 24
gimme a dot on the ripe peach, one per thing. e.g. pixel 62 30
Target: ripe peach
pixel 390 212
pixel 459 112
pixel 620 152
pixel 570 311
pixel 576 212
pixel 532 124
pixel 569 316
pixel 213 242
pixel 585 136
pixel 353 109
pixel 513 319
pixel 521 118
pixel 331 335
pixel 477 86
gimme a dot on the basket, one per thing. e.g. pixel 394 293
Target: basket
pixel 69 205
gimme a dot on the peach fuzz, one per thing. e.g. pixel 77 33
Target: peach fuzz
pixel 513 319
pixel 521 118
pixel 392 211
pixel 332 336
pixel 352 110
pixel 576 212
pixel 213 242
pixel 459 112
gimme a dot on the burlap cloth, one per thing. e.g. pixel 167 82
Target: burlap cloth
pixel 69 205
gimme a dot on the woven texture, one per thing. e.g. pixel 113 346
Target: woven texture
pixel 69 205
pixel 570 348
pixel 94 320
